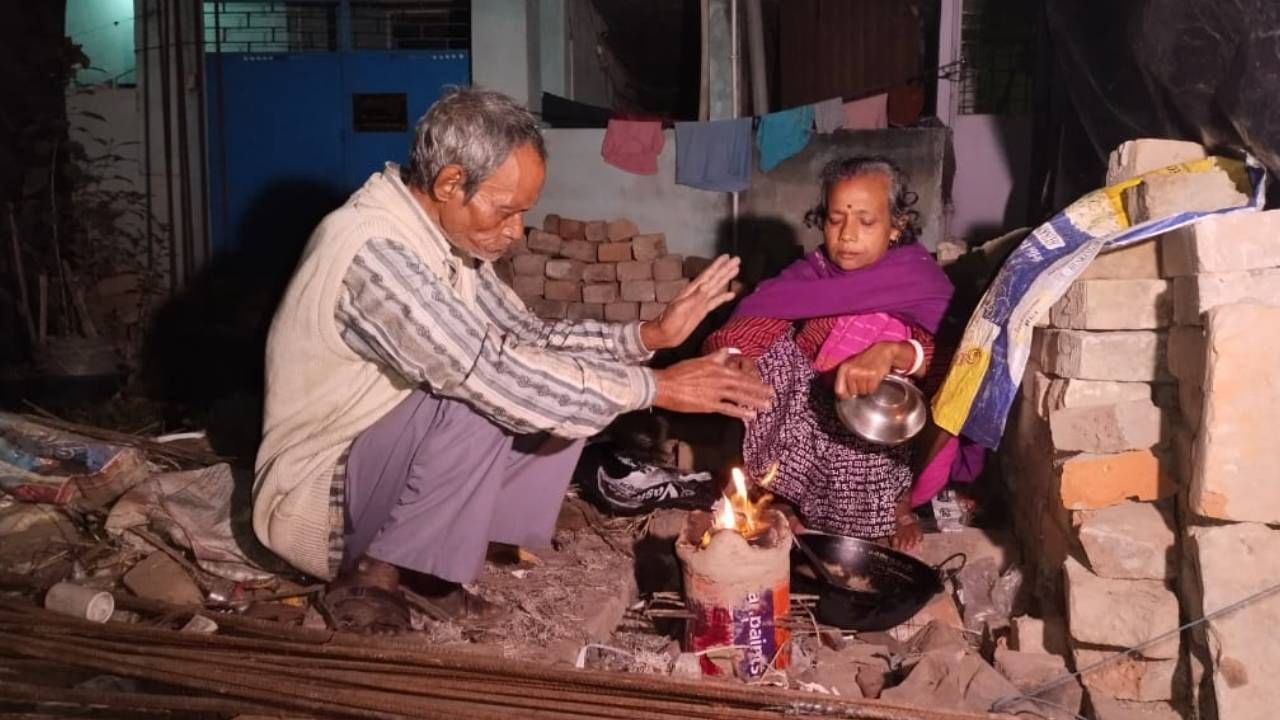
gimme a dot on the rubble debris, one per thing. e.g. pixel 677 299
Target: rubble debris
pixel 159 577
pixel 958 680
pixel 35 536
pixel 1030 671
pixel 1105 708
pixel 987 595
pixel 78 601
pixel 200 624
pixel 1036 635
pixel 937 635
pixel 43 464
pixel 1126 678
pixel 194 509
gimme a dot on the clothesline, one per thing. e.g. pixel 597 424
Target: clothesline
pixel 717 154
pixel 593 116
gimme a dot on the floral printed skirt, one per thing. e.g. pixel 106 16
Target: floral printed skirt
pixel 837 482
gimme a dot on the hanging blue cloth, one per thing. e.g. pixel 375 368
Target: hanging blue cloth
pixel 714 155
pixel 783 134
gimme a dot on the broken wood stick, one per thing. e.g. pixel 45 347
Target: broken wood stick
pixel 24 300
pixel 42 328
pixel 78 307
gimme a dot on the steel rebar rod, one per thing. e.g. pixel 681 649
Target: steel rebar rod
pixel 25 692
pixel 452 672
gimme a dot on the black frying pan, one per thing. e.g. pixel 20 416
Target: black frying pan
pixel 885 587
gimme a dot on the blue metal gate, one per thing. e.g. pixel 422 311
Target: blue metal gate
pixel 305 102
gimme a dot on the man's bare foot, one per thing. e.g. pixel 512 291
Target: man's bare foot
pixel 452 599
pixel 368 599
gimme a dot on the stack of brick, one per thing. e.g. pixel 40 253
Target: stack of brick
pixel 1226 286
pixel 1102 442
pixel 576 270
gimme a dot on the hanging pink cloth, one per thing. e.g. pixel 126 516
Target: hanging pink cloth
pixel 867 114
pixel 633 145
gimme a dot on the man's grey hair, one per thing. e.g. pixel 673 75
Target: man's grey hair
pixel 474 129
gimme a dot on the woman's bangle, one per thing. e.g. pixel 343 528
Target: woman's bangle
pixel 918 362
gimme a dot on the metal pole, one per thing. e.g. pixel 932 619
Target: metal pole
pixel 146 80
pixel 184 149
pixel 175 248
pixel 735 64
pixel 755 36
pixel 202 134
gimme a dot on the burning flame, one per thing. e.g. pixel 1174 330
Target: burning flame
pixel 728 508
pixel 726 518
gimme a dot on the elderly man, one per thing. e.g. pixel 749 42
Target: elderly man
pixel 415 410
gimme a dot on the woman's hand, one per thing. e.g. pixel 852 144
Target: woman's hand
pixel 863 373
pixel 683 314
pixel 908 534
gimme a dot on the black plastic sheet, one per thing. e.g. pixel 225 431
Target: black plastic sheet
pixel 1203 70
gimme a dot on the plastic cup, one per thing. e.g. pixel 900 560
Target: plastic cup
pixel 79 601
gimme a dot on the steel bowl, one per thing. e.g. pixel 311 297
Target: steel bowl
pixel 891 415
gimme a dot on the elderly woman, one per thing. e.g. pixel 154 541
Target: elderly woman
pixel 832 325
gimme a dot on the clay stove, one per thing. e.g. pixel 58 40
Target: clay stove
pixel 736 563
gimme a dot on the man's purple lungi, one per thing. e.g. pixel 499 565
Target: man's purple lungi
pixel 433 482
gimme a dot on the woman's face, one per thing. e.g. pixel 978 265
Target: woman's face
pixel 859 228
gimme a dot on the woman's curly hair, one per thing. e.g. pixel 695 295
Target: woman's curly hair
pixel 901 200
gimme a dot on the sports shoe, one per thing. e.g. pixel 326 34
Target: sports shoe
pixel 626 486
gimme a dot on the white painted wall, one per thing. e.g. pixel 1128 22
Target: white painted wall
pixel 989 195
pixel 992 152
pixel 521 47
pixel 500 37
pixel 580 184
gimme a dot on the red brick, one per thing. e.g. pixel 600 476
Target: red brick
pixel 551 223
pixel 519 246
pixel 530 265
pixel 579 250
pixel 651 310
pixel 670 267
pixel 622 311
pixel 649 247
pixel 600 293
pixel 614 252
pixel 566 290
pixel 560 269
pixel 550 309
pixel 572 229
pixel 667 290
pixel 628 271
pixel 597 231
pixel 693 266
pixel 528 286
pixel 544 242
pixel 600 272
pixel 622 229
pixel 586 311
pixel 638 291
pixel 1092 482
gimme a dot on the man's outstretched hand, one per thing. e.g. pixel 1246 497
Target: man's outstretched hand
pixel 707 292
pixel 708 385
